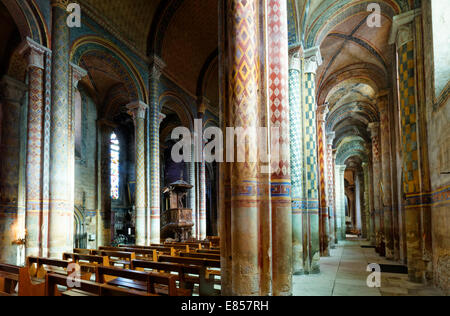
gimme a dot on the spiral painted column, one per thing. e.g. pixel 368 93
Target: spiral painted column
pixel 296 161
pixel 374 129
pixel 383 106
pixel 138 110
pixel 192 192
pixel 324 215
pixel 368 233
pixel 313 60
pixel 154 161
pixel 330 188
pixel 61 215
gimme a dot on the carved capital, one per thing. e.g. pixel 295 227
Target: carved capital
pixel 78 74
pixel 322 112
pixel 374 129
pixel 12 91
pixel 33 52
pixel 203 104
pixel 330 138
pixel 137 110
pixel 313 59
pixel 402 32
pixel 162 117
pixel 157 65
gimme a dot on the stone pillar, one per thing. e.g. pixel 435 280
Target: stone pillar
pixel 105 130
pixel 61 215
pixel 154 161
pixel 367 216
pixel 374 129
pixel 138 110
pixel 239 190
pixel 358 204
pixel 324 218
pixel 34 53
pixel 383 106
pixel 202 174
pixel 12 95
pixel 331 188
pixel 415 184
pixel 313 60
pixel 296 128
pixel 278 71
pixel 192 193
pixel 340 202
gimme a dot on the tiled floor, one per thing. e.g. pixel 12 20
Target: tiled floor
pixel 345 274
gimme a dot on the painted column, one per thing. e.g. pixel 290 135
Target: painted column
pixel 239 210
pixel 414 169
pixel 34 53
pixel 374 129
pixel 340 201
pixel 331 188
pixel 105 130
pixel 358 206
pixel 61 215
pixel 138 110
pixel 296 161
pixel 313 60
pixel 368 233
pixel 278 71
pixel 12 95
pixel 192 193
pixel 202 174
pixel 324 214
pixel 154 125
pixel 383 106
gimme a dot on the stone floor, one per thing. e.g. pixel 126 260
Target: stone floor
pixel 345 274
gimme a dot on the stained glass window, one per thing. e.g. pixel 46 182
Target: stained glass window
pixel 115 155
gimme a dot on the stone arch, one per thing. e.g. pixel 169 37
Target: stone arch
pixel 118 60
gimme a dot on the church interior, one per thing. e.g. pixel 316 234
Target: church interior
pixel 356 200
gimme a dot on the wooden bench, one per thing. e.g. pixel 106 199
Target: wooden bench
pixel 159 248
pixel 216 252
pixel 85 288
pixel 116 257
pixel 155 283
pixel 188 275
pixel 9 278
pixel 145 253
pixel 200 255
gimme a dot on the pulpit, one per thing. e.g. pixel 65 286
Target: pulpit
pixel 177 219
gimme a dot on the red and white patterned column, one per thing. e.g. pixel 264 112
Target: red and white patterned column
pixel 277 35
pixel 331 194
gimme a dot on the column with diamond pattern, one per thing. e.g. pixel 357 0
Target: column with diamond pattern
pixel 331 188
pixel 296 161
pixel 61 215
pixel 278 71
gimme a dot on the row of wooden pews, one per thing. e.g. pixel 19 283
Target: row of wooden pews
pixel 169 269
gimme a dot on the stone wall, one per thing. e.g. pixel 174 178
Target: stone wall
pixel 438 114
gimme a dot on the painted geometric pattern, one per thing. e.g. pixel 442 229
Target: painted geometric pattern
pixel 154 148
pixel 35 133
pixel 310 149
pixel 330 171
pixel 60 110
pixel 409 118
pixel 278 82
pixel 243 76
pixel 322 166
pixel 296 134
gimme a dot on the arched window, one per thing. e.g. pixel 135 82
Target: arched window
pixel 115 156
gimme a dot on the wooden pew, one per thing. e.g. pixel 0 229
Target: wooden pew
pixel 145 253
pixel 137 280
pixel 208 263
pixel 188 275
pixel 216 252
pixel 116 257
pixel 13 275
pixel 159 248
pixel 9 278
pixel 86 288
pixel 200 255
pixel 86 262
